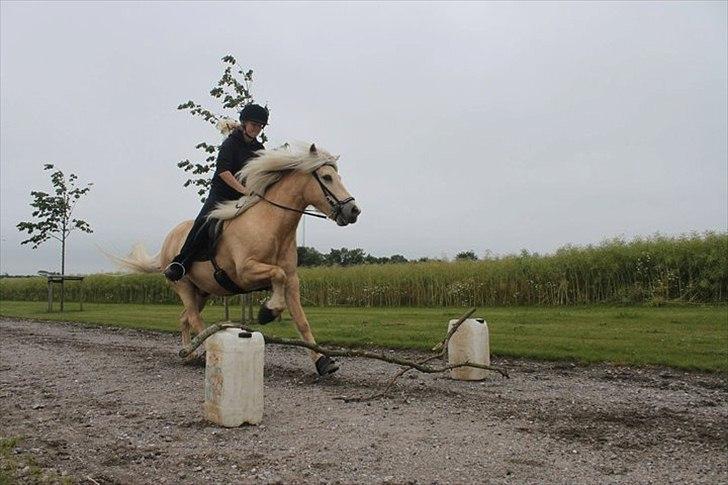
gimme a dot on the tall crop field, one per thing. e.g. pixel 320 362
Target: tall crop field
pixel 651 270
pixel 691 268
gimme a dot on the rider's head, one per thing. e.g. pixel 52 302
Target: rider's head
pixel 253 118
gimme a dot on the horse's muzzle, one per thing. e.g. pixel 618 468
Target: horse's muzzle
pixel 348 214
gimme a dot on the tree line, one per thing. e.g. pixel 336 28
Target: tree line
pixel 309 257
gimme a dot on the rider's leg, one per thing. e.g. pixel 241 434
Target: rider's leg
pixel 197 238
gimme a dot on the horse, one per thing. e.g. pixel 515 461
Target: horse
pixel 257 247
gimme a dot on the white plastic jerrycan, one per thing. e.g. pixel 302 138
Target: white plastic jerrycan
pixel 234 377
pixel 469 343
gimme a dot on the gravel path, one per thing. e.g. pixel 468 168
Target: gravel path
pixel 116 406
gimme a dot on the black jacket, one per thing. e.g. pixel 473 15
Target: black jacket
pixel 232 156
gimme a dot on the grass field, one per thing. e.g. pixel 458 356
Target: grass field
pixel 690 337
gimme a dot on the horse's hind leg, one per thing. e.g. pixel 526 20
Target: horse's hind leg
pixel 184 322
pixel 201 300
pixel 184 326
pixel 193 301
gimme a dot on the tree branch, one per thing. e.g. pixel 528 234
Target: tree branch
pixel 407 364
pixel 442 346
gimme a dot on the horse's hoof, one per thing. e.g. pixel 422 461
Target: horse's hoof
pixel 325 365
pixel 266 315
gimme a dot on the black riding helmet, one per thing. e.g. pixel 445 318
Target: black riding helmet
pixel 254 112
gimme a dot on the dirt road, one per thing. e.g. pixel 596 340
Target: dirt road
pixel 116 406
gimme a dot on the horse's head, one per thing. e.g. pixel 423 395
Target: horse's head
pixel 327 193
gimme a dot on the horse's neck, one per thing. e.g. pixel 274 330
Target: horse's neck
pixel 287 192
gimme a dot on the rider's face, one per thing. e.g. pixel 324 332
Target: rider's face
pixel 252 128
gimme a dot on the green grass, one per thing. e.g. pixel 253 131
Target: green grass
pixel 11 465
pixel 8 466
pixel 690 337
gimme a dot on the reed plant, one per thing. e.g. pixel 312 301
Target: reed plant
pixel 653 270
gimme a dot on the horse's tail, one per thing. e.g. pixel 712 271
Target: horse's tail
pixel 138 261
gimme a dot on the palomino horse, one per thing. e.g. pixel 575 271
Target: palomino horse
pixel 257 248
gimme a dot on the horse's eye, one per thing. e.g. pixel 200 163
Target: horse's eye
pixel 327 178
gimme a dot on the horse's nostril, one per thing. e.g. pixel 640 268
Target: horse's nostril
pixel 355 211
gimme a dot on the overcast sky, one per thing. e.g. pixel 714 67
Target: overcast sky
pixel 461 126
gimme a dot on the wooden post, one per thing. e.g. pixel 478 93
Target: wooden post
pixel 227 310
pixel 246 308
pixel 62 293
pixel 249 305
pixel 50 296
pixel 242 308
pixel 82 294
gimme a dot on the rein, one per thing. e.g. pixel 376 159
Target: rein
pixel 322 216
pixel 335 203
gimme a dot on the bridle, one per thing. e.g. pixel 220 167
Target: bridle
pixel 336 204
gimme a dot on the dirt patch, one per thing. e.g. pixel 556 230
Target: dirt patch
pixel 117 406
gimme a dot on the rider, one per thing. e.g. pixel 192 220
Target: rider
pixel 234 153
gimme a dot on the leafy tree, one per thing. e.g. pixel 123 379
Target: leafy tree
pixel 352 257
pixel 345 257
pixel 466 256
pixel 334 257
pixel 369 259
pixel 233 91
pixel 309 257
pixel 53 213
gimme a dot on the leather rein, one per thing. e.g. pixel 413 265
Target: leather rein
pixel 334 202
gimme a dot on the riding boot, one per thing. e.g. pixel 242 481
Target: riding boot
pixel 197 239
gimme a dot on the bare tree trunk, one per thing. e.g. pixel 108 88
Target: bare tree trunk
pixel 63 264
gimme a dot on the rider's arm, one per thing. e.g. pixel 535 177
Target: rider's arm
pixel 229 179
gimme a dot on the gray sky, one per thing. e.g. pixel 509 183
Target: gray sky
pixel 461 126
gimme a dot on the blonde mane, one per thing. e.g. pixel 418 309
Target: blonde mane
pixel 266 169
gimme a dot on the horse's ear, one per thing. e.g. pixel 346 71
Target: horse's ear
pixel 313 148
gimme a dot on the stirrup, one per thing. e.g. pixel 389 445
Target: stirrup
pixel 184 271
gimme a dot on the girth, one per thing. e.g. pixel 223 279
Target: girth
pixel 224 280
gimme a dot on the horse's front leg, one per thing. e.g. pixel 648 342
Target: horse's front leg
pixel 324 365
pixel 253 272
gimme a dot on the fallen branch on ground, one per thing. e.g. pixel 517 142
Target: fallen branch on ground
pixel 407 364
pixel 442 347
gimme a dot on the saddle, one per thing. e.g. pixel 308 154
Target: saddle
pixel 207 253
